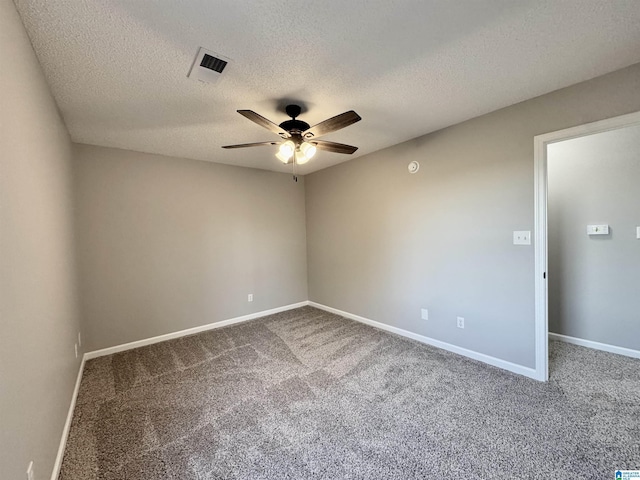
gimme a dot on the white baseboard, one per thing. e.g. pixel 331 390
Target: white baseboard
pixel 189 331
pixel 496 362
pixel 67 424
pixel 627 352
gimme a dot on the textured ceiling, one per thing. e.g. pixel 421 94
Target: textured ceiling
pixel 117 68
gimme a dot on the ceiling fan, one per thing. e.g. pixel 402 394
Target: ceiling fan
pixel 300 141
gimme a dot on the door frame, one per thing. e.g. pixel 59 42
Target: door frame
pixel 540 143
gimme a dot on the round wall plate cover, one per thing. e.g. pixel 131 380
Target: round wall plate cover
pixel 413 167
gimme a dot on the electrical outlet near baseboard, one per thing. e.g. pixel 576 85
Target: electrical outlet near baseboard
pixel 460 321
pixel 424 314
pixel 250 297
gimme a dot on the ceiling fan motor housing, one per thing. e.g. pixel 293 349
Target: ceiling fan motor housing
pixel 294 126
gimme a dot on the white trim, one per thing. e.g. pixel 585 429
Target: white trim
pixel 600 126
pixel 540 259
pixel 67 424
pixel 540 143
pixel 605 347
pixel 189 331
pixel 496 362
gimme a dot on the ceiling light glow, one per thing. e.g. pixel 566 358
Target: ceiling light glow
pixel 285 152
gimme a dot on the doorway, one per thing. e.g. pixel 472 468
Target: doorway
pixel 541 190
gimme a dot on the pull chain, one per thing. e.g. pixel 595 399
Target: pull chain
pixel 295 177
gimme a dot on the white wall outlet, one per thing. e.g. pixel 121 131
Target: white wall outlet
pixel 522 237
pixel 76 349
pixel 250 297
pixel 79 340
pixel 424 314
pixel 460 321
pixel 30 471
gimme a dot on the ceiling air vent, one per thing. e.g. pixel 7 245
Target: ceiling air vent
pixel 208 66
pixel 213 63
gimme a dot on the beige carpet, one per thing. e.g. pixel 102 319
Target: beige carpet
pixel 307 394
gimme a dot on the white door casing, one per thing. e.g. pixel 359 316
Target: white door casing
pixel 540 143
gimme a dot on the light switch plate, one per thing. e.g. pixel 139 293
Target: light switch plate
pixel 638 233
pixel 522 237
pixel 597 229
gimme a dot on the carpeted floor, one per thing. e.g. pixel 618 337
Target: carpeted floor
pixel 307 394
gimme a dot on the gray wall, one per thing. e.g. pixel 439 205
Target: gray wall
pixel 383 243
pixel 166 244
pixel 38 308
pixel 594 281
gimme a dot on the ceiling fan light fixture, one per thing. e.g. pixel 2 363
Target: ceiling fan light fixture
pixel 282 158
pixel 285 152
pixel 308 150
pixel 301 159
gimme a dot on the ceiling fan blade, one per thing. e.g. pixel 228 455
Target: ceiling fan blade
pixel 264 123
pixel 258 144
pixel 332 124
pixel 334 147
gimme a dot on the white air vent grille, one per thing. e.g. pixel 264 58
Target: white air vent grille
pixel 208 66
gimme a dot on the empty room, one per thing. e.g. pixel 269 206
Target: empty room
pixel 319 240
